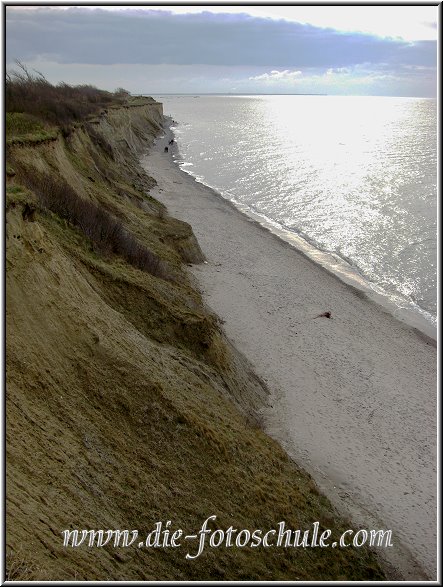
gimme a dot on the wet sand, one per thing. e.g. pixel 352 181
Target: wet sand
pixel 353 397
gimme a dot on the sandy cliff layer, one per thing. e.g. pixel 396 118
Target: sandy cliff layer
pixel 126 405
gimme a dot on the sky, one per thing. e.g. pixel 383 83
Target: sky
pixel 343 50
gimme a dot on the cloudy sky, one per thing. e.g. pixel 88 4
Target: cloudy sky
pixel 369 50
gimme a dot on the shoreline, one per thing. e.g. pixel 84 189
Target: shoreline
pixel 335 265
pixel 348 393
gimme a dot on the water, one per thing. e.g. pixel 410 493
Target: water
pixel 355 177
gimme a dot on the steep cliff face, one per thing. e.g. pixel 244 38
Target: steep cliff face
pixel 125 403
pixel 130 126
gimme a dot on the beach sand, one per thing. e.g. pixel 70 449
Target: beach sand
pixel 353 397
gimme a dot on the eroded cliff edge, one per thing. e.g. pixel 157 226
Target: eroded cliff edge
pixel 126 405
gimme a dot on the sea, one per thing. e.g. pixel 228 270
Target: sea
pixel 349 180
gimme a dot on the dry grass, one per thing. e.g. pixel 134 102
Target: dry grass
pixel 106 232
pixel 19 568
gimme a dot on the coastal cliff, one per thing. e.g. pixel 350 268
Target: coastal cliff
pixel 126 404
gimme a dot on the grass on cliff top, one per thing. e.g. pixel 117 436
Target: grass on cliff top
pixel 25 128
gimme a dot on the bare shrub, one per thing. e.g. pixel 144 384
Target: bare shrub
pixel 61 105
pixel 18 568
pixel 105 231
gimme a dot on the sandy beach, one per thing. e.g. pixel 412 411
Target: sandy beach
pixel 353 397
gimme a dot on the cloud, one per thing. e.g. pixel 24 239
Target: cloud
pixel 277 76
pixel 157 51
pixel 361 79
pixel 78 35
